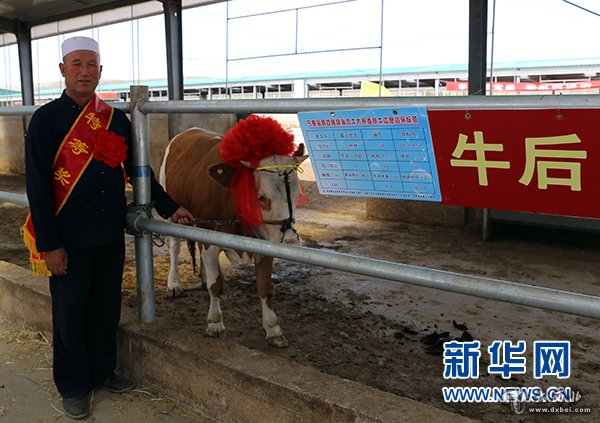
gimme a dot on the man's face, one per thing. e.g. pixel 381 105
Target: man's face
pixel 81 70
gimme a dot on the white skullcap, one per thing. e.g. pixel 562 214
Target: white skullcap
pixel 79 43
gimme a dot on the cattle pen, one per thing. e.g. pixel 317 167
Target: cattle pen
pixel 143 227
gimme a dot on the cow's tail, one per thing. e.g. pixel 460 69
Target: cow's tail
pixel 192 249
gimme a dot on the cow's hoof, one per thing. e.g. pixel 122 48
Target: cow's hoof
pixel 215 335
pixel 215 330
pixel 278 341
pixel 175 292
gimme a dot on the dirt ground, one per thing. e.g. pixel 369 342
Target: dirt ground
pixel 28 395
pixel 374 331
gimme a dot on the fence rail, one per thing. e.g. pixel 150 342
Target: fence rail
pixel 314 104
pixel 577 101
pixel 10 197
pixel 139 223
pixel 529 295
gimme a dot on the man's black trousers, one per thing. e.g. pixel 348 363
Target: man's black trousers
pixel 86 307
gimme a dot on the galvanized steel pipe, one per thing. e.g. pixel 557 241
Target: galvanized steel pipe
pixel 431 103
pixel 29 110
pixel 20 199
pixel 528 295
pixel 17 110
pixel 295 105
pixel 141 193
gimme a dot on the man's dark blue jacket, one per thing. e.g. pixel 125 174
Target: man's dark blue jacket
pixel 95 212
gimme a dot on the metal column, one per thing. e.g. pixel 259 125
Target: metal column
pixel 478 13
pixel 25 66
pixel 172 11
pixel 140 125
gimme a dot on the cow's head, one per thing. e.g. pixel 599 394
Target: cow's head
pixel 277 191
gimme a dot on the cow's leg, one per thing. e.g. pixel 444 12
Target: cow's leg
pixel 266 292
pixel 192 250
pixel 173 283
pixel 201 273
pixel 214 284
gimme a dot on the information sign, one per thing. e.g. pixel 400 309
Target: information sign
pixel 384 153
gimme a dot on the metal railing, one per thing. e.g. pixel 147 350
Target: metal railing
pixel 432 103
pixel 10 197
pixel 141 224
pixel 466 103
pixel 534 296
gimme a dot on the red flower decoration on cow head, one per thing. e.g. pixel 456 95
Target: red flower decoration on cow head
pixel 109 147
pixel 252 140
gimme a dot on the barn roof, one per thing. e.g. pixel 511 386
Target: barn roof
pixel 42 16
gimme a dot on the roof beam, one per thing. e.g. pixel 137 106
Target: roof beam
pixel 115 4
pixel 83 11
pixel 8 25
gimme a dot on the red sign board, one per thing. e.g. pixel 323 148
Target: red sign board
pixel 513 87
pixel 543 161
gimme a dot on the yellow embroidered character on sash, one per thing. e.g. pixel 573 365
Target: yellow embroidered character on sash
pixel 79 147
pixel 62 176
pixel 93 121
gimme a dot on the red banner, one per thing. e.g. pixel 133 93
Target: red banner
pixel 543 161
pixel 512 87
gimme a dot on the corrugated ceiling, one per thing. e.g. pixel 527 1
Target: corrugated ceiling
pixel 52 17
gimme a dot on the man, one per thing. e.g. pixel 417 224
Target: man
pixel 78 155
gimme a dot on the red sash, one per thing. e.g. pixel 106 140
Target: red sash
pixel 71 160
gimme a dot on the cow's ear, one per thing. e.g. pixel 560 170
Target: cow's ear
pixel 299 155
pixel 300 159
pixel 222 173
pixel 300 151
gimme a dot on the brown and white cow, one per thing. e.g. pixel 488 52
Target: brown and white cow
pixel 193 174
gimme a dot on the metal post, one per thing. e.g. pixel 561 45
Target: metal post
pixel 173 28
pixel 25 66
pixel 172 12
pixel 478 10
pixel 486 226
pixel 140 126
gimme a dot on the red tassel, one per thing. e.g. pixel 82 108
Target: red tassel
pixel 36 259
pixel 245 201
pixel 302 198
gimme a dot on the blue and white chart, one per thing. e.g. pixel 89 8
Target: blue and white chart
pixel 383 153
